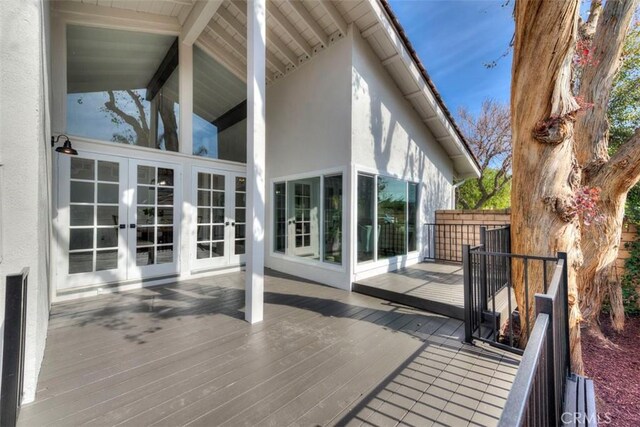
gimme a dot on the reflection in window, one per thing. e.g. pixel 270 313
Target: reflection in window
pixel 219 110
pixel 122 86
pixel 392 211
pixel 366 220
pixel 280 217
pixel 412 219
pixel 333 219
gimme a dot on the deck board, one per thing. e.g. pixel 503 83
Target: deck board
pixel 182 354
pixel 431 286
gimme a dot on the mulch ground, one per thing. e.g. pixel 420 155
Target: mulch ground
pixel 615 371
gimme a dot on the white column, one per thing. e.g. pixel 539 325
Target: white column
pixel 256 54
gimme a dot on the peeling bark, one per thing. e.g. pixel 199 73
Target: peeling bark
pixel 542 117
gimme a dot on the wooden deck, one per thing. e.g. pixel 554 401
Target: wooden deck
pixel 431 286
pixel 181 354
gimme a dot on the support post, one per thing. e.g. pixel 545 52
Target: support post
pixel 544 304
pixel 256 75
pixel 468 298
pixel 484 295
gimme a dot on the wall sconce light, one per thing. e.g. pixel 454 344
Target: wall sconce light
pixel 66 147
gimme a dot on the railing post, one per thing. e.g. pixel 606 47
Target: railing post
pixel 544 304
pixel 483 268
pixel 468 313
pixel 565 307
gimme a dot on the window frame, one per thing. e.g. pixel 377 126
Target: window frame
pixel 342 266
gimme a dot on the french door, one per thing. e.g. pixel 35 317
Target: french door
pixel 220 218
pixel 116 219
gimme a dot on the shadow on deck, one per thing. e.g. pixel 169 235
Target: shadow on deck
pixel 430 286
pixel 181 354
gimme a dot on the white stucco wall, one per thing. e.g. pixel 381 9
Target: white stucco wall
pixel 24 154
pixel 308 130
pixel 389 138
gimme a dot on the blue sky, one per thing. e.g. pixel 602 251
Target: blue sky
pixel 454 39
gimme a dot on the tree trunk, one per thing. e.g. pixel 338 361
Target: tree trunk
pixel 600 241
pixel 615 299
pixel 546 175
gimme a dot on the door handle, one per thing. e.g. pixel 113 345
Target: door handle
pixel 226 223
pixel 233 224
pixel 123 226
pixel 132 226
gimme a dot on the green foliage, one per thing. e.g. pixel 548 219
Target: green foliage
pixel 631 279
pixel 624 109
pixel 469 193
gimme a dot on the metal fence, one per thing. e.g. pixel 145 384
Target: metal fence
pixel 491 314
pixel 536 396
pixel 13 347
pixel 444 241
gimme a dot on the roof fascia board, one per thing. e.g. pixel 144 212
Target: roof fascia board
pixel 384 24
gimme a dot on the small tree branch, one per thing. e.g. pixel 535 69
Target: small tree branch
pixel 622 171
pixel 587 29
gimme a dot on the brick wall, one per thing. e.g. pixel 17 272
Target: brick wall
pixel 503 216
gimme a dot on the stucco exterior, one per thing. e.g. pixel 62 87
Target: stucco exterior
pixel 26 168
pixel 388 138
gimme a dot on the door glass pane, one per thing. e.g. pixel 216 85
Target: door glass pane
pixel 366 220
pixel 80 262
pixel 280 217
pixel 108 215
pixel 82 168
pixel 107 237
pixel 108 193
pixel 210 233
pixel 392 212
pixel 165 215
pixel 332 219
pixel 165 177
pixel 155 233
pixel 93 226
pixel 304 211
pixel 146 175
pixel 146 215
pixel 106 260
pixel 240 216
pixel 165 254
pixel 108 171
pixel 165 196
pixel 81 215
pixel 146 195
pixel 81 192
pixel 81 238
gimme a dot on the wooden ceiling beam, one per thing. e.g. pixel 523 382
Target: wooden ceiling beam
pixel 197 19
pixel 289 28
pixel 310 21
pixel 335 16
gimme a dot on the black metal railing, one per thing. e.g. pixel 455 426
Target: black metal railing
pixel 444 241
pixel 536 396
pixel 491 313
pixel 15 312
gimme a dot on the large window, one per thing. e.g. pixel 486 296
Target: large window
pixel 387 217
pixel 219 110
pixel 333 219
pixel 122 86
pixel 366 217
pixel 392 213
pixel 308 218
